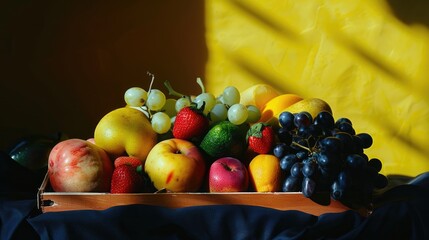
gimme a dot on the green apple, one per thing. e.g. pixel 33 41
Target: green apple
pixel 176 165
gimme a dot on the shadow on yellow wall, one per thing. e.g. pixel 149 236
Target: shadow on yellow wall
pixel 410 12
pixel 368 59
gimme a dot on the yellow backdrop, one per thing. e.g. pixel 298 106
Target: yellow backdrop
pixel 369 63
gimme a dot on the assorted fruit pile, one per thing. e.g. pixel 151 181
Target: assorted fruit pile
pixel 254 140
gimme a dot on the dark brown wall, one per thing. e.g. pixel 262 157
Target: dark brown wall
pixel 64 64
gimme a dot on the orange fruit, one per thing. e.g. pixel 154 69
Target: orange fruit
pixel 265 173
pixel 277 104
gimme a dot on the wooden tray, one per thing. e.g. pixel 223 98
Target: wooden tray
pixel 62 201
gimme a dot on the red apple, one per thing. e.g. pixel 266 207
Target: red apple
pixel 228 174
pixel 76 165
pixel 176 165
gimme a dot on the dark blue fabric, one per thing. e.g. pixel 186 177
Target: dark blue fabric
pixel 401 213
pixel 13 219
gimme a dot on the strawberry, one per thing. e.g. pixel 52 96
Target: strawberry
pixel 133 161
pixel 190 123
pixel 260 138
pixel 126 179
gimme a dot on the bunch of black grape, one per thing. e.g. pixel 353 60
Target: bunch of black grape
pixel 324 155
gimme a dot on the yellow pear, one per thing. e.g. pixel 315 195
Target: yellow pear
pixel 125 131
pixel 311 105
pixel 258 95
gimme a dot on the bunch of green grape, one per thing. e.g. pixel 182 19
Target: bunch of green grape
pixel 154 104
pixel 227 106
pixel 162 110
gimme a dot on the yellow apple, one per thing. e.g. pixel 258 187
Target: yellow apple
pixel 176 165
pixel 125 131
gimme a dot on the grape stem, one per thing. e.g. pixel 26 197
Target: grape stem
pixel 146 112
pixel 173 92
pixel 152 80
pixel 301 146
pixel 200 82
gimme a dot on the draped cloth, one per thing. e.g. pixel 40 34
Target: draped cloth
pixel 401 213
